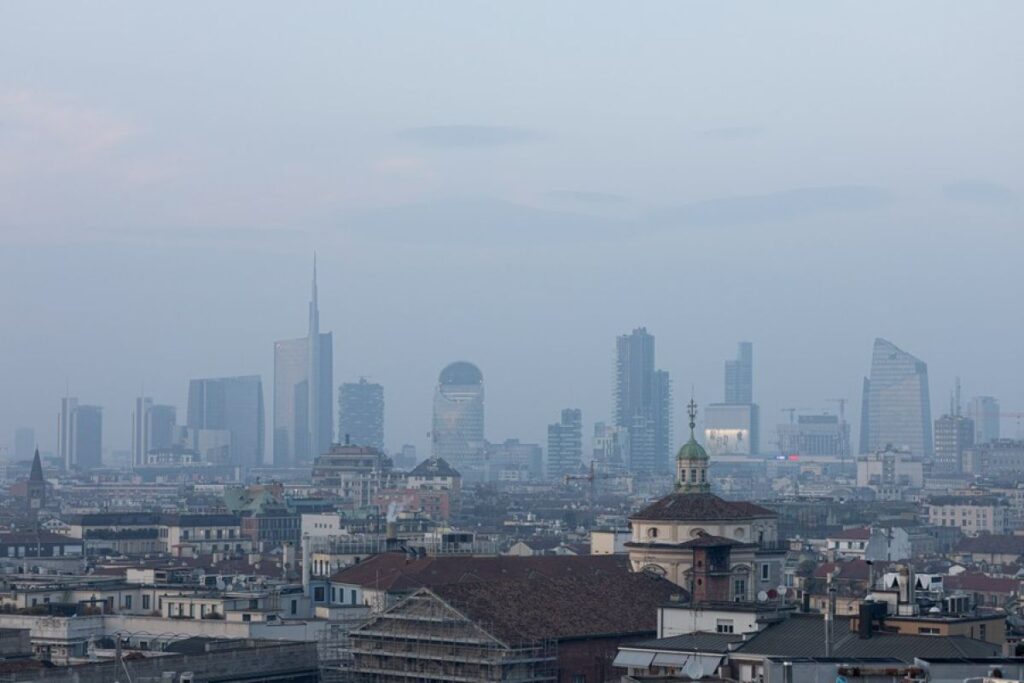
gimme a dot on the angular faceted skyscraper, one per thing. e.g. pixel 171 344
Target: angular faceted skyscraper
pixel 896 409
pixel 458 434
pixel 303 392
pixel 643 403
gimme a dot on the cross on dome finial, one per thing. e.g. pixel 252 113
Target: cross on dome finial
pixel 691 410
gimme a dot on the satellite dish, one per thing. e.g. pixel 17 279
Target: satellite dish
pixel 781 589
pixel 762 596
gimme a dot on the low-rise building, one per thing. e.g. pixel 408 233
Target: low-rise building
pixel 973 515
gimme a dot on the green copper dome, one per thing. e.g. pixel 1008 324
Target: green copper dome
pixel 691 450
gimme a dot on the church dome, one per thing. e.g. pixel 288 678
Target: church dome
pixel 691 450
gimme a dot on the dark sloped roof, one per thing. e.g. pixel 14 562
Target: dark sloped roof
pixel 992 543
pixel 981 583
pixel 850 570
pixel 14 538
pixel 706 541
pixel 565 607
pixel 854 534
pixel 701 507
pixel 691 642
pixel 396 572
pixel 803 635
pixel 36 473
pixel 434 467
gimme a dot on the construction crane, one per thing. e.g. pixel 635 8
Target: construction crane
pixel 844 430
pixel 842 407
pixel 792 412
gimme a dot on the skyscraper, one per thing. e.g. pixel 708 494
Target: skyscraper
pixel 896 408
pixel 303 392
pixel 739 376
pixel 24 443
pixel 984 411
pixel 235 405
pixel 643 403
pixel 80 435
pixel 565 444
pixel 361 413
pixel 153 427
pixel 954 434
pixel 735 426
pixel 458 433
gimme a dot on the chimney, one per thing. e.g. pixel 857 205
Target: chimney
pixel 306 561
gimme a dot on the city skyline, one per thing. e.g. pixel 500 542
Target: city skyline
pixel 462 216
pixel 393 443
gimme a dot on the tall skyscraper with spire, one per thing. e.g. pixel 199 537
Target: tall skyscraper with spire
pixel 303 392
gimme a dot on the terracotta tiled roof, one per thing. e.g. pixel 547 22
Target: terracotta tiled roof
pixel 396 572
pixel 701 507
pixel 981 584
pixel 620 603
pixel 850 570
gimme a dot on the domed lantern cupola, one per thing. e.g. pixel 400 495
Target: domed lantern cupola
pixel 692 461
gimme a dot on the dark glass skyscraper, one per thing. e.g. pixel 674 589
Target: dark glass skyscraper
pixel 458 433
pixel 739 376
pixel 303 392
pixel 896 408
pixel 565 444
pixel 361 414
pixel 643 404
pixel 984 411
pixel 80 435
pixel 235 405
pixel 153 427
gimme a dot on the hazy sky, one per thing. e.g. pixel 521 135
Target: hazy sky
pixel 512 184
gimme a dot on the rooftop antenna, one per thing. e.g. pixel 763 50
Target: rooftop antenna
pixel 956 394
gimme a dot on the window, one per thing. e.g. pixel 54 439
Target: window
pixel 127 602
pixel 739 589
pixel 353 596
pixel 652 532
pixel 295 607
pixel 764 571
pixel 318 593
pixel 724 626
pixel 928 631
pixel 982 631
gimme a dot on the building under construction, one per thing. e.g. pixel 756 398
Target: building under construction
pixel 425 638
pixel 535 629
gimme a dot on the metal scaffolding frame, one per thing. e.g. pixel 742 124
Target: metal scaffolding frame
pixel 423 638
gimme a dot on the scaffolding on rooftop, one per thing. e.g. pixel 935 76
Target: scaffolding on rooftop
pixel 422 638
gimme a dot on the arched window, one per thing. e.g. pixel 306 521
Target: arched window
pixel 652 532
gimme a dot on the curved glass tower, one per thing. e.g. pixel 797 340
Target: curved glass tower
pixel 458 433
pixel 896 409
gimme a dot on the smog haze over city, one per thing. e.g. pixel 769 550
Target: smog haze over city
pixel 362 341
pixel 512 184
